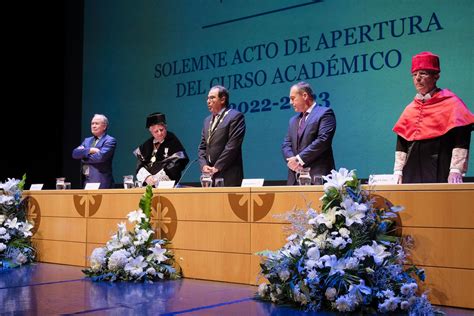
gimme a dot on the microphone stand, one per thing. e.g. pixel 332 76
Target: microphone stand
pixel 184 172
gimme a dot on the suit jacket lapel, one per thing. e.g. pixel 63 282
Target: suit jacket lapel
pixel 294 131
pixel 100 141
pixel 213 131
pixel 207 125
pixel 309 119
pixel 219 124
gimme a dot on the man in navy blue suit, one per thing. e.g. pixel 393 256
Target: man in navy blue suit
pixel 308 142
pixel 96 154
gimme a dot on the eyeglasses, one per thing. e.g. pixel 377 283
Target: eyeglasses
pixel 422 74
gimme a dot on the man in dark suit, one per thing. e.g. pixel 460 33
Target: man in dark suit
pixel 308 142
pixel 96 154
pixel 220 150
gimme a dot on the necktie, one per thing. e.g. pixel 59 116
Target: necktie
pixel 94 142
pixel 215 120
pixel 302 124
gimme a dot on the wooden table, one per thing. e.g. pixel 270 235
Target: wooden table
pixel 215 232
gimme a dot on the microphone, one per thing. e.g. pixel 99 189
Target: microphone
pixel 184 172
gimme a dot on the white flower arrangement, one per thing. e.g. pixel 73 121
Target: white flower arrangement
pixel 15 230
pixel 133 255
pixel 345 258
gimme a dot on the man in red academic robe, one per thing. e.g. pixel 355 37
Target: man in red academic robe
pixel 434 130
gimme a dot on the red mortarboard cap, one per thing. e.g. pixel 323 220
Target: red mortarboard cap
pixel 425 61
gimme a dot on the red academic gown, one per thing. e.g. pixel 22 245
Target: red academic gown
pixel 428 131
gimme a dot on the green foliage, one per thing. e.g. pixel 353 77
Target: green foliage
pixel 21 184
pixel 145 201
pixel 134 255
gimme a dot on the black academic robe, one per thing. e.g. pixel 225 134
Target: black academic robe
pixel 173 166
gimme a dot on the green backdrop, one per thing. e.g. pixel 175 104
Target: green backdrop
pixel 147 56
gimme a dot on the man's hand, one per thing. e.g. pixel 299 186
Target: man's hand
pixel 93 150
pixel 150 180
pixel 209 169
pixel 293 164
pixel 399 179
pixel 455 177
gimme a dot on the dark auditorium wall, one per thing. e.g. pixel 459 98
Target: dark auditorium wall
pixel 73 16
pixel 42 93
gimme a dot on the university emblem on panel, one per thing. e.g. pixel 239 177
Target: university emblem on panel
pixel 34 214
pixel 164 218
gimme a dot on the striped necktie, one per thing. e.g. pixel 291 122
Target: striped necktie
pixel 215 121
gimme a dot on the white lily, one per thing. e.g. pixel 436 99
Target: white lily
pixel 337 179
pixel 353 211
pixel 158 253
pixel 10 186
pixel 6 199
pixel 135 266
pixel 13 223
pixel 25 229
pixel 136 216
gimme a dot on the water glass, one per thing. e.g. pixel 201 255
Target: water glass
pixel 219 182
pixel 206 180
pixel 60 183
pixel 304 177
pixel 128 182
pixel 138 184
pixel 318 180
pixel 67 185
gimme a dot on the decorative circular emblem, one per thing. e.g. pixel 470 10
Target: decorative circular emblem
pixel 81 200
pixel 261 210
pixel 239 205
pixel 34 214
pixel 94 204
pixel 163 217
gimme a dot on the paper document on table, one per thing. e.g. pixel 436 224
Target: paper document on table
pixel 382 179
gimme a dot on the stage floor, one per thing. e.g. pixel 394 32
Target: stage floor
pixel 51 289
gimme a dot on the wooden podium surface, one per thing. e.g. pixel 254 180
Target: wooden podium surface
pixel 215 232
